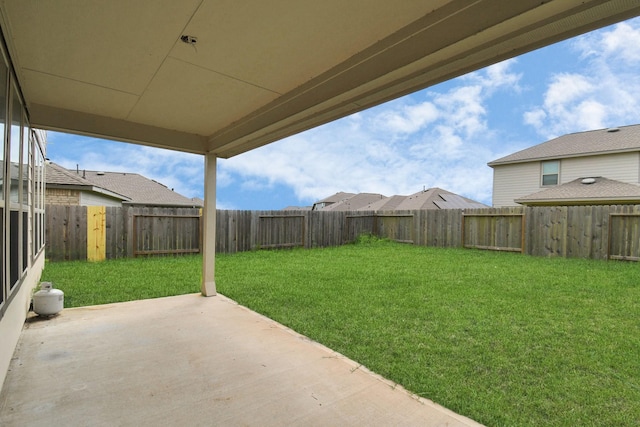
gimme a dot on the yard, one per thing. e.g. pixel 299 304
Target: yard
pixel 502 338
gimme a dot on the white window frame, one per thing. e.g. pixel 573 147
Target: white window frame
pixel 543 174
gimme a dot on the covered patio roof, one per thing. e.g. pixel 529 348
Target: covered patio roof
pixel 223 77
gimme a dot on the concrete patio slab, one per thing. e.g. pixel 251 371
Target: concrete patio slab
pixel 193 361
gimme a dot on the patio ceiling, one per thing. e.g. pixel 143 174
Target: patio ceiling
pixel 260 70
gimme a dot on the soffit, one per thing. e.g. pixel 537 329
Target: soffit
pixel 260 70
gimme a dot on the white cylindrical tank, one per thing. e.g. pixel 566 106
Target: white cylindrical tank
pixel 48 301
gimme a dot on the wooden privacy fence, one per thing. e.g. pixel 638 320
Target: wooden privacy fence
pixel 166 234
pixel 496 232
pixel 96 232
pixel 599 232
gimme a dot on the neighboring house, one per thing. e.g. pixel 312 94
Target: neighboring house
pixel 94 188
pixel 354 202
pixel 556 172
pixel 65 187
pixel 432 198
pixel 338 197
pixel 386 204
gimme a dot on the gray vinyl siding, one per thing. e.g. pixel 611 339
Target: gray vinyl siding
pixel 621 167
pixel 95 199
pixel 514 181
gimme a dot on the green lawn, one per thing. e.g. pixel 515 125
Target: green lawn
pixel 502 338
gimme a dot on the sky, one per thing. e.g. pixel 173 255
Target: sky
pixel 442 136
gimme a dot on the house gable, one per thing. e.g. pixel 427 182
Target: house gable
pixel 611 153
pixel 94 188
pixel 65 187
pixel 602 141
pixel 138 189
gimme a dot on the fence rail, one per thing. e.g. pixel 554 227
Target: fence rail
pixel 598 232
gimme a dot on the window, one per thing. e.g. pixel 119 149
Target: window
pixel 3 113
pixel 15 193
pixel 38 195
pixel 21 188
pixel 22 183
pixel 25 193
pixel 550 172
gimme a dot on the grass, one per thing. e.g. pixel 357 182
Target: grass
pixel 129 279
pixel 502 338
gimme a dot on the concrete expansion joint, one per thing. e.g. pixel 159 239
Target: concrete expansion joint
pixel 356 368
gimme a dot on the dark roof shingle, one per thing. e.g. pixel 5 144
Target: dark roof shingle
pixel 131 188
pixel 140 190
pixel 600 191
pixel 602 141
pixel 437 198
pixel 354 202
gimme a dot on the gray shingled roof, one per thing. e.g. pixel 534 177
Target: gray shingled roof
pixel 602 191
pixel 56 174
pixel 355 202
pixel 336 197
pixel 387 204
pixel 59 177
pixel 433 198
pixel 140 190
pixel 603 141
pixel 437 198
pixel 131 188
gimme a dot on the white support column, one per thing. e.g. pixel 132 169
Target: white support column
pixel 208 287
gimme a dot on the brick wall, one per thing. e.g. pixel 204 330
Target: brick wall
pixel 58 196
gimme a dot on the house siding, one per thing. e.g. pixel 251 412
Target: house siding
pixel 517 180
pixel 514 181
pixel 12 321
pixel 21 209
pixel 93 199
pixel 620 167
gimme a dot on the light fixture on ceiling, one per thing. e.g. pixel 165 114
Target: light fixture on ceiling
pixel 189 39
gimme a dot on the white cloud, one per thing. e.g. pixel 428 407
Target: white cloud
pixel 182 172
pixel 535 118
pixel 621 43
pixel 408 118
pixel 428 139
pixel 463 109
pixel 566 88
pixel 497 76
pixel 604 91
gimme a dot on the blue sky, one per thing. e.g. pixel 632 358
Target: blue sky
pixel 442 136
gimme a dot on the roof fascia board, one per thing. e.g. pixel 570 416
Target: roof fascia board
pixel 58 119
pixel 566 156
pixel 110 193
pixel 365 80
pixel 579 202
pixel 91 188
